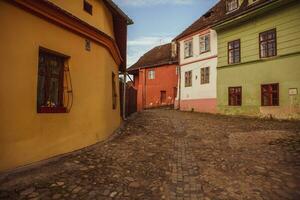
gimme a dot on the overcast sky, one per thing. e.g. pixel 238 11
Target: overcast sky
pixel 158 21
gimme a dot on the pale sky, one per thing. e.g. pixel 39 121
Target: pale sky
pixel 158 21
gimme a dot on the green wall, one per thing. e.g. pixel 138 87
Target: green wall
pixel 252 72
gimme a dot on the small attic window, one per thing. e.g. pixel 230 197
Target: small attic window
pixel 232 5
pixel 208 14
pixel 87 7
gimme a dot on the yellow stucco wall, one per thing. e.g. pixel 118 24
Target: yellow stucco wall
pixel 101 14
pixel 25 135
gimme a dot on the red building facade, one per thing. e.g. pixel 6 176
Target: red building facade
pixel 156 78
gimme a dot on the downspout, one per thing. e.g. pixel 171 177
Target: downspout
pixel 145 88
pixel 124 96
pixel 179 78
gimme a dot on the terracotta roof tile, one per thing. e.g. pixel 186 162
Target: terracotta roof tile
pixel 218 14
pixel 157 56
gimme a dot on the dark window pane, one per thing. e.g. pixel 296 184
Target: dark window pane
pixel 270 95
pixel 234 55
pixel 54 92
pixel 235 96
pixel 41 90
pixel 50 81
pixel 268 44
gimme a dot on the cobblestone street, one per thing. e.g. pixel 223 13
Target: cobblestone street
pixel 167 154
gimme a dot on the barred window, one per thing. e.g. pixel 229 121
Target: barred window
pixel 50 82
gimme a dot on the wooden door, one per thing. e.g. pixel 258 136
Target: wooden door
pixel 163 97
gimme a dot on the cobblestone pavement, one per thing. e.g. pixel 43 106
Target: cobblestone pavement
pixel 166 154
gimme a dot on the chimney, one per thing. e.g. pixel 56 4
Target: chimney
pixel 173 49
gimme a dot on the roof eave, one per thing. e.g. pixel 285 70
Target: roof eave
pixel 248 14
pixel 153 65
pixel 129 21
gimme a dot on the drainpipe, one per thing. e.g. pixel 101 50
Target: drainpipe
pixel 179 73
pixel 124 96
pixel 179 92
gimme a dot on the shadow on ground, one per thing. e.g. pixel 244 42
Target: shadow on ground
pixel 167 154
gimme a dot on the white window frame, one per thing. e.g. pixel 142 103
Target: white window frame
pixel 151 74
pixel 232 5
pixel 203 78
pixel 204 43
pixel 188 48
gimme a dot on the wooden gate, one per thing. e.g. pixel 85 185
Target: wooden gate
pixel 131 100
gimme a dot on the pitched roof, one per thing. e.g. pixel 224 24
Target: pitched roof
pixel 157 56
pixel 218 14
pixel 115 8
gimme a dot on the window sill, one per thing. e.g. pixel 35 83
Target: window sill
pixel 204 52
pixel 237 63
pixel 266 58
pixel 52 110
pixel 188 57
pixel 231 11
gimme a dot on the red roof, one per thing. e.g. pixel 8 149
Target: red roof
pixel 157 56
pixel 219 14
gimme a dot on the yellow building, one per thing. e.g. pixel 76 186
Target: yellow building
pixel 59 69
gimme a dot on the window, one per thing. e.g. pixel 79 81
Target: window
pixel 87 45
pixel 234 52
pixel 151 74
pixel 87 7
pixel 188 79
pixel 270 95
pixel 204 43
pixel 267 44
pixel 114 91
pixel 205 75
pixel 50 82
pixel 235 96
pixel 232 5
pixel 188 49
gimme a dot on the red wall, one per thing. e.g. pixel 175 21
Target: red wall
pixel 149 91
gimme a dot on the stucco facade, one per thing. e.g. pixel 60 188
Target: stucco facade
pixel 198 97
pixel 253 71
pixel 27 136
pixel 150 91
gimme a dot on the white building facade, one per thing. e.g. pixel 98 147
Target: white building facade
pixel 198 72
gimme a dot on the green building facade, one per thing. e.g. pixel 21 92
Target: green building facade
pixel 259 61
